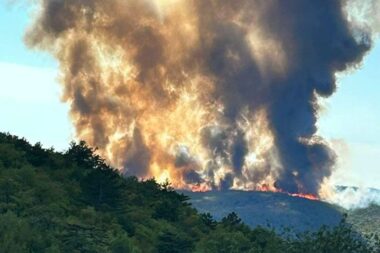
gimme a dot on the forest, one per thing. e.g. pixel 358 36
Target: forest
pixel 73 201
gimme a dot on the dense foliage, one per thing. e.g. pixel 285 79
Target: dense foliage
pixel 75 202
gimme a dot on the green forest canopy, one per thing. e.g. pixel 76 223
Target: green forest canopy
pixel 74 202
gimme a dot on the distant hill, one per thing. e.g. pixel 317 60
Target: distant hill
pixel 280 210
pixel 267 208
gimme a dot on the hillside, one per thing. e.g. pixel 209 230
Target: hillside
pixel 277 210
pixel 366 220
pixel 74 202
pixel 284 212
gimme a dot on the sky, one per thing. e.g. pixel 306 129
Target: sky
pixel 30 104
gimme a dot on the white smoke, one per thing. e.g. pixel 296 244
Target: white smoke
pixel 365 13
pixel 355 197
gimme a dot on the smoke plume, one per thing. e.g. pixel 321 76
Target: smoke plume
pixel 211 94
pixel 355 197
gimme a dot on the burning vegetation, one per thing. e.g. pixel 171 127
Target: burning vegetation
pixel 209 94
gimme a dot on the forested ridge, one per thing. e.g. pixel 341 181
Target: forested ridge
pixel 73 201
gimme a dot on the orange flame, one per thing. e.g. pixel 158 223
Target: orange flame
pixel 304 195
pixel 268 188
pixel 200 188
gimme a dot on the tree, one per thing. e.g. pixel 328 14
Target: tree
pixel 103 189
pixel 231 220
pixel 173 242
pixel 221 241
pixel 123 245
pixel 208 220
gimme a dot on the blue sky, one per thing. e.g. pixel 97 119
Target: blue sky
pixel 29 93
pixel 30 103
pixel 351 120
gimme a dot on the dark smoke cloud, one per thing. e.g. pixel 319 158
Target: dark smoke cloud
pixel 318 40
pixel 322 45
pixel 137 156
pixel 238 153
pixel 299 46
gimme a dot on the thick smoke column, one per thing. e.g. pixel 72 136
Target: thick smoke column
pixel 208 93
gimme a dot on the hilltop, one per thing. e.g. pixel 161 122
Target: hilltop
pixel 281 211
pixel 277 210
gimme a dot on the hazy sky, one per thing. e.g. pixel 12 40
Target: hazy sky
pixel 30 103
